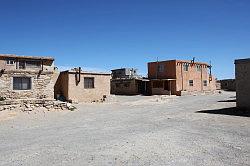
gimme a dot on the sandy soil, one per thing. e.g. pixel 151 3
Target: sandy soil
pixel 130 130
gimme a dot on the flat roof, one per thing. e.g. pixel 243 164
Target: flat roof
pixel 125 79
pixel 26 57
pixel 86 72
pixel 183 61
pixel 247 60
pixel 125 68
pixel 167 79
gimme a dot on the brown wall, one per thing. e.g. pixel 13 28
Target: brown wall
pixel 242 75
pixel 168 72
pixel 118 87
pixel 228 84
pixel 77 92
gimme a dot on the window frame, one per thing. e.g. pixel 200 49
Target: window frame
pixel 205 82
pixel 160 68
pixel 20 87
pixel 185 67
pixel 198 68
pixel 191 82
pixel 10 60
pixel 33 64
pixel 89 85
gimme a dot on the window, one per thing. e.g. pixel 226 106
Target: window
pixel 10 62
pixel 157 84
pixel 205 83
pixel 22 65
pixel 185 67
pixel 21 83
pixel 198 68
pixel 191 83
pixel 33 64
pixel 88 82
pixel 160 68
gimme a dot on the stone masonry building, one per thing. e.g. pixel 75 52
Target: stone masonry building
pixel 180 77
pixel 242 76
pixel 26 77
pixel 79 86
pixel 228 84
pixel 126 81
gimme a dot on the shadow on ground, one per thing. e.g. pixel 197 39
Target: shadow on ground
pixel 234 100
pixel 233 111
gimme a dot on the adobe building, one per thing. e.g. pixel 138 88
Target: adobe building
pixel 180 77
pixel 228 84
pixel 218 85
pixel 242 76
pixel 126 81
pixel 80 86
pixel 26 77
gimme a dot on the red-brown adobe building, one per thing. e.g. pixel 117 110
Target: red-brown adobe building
pixel 180 77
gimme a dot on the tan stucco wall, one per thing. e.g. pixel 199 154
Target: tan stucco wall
pixel 77 92
pixel 198 77
pixel 242 75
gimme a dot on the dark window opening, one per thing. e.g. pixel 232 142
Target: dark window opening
pixel 89 83
pixel 21 65
pixel 198 68
pixel 160 68
pixel 21 83
pixel 167 85
pixel 10 62
pixel 33 64
pixel 205 83
pixel 191 83
pixel 185 67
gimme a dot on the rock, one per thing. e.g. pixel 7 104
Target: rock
pixel 27 105
pixel 27 109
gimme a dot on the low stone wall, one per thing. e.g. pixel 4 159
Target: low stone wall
pixel 30 105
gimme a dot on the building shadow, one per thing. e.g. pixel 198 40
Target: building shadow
pixel 233 111
pixel 222 101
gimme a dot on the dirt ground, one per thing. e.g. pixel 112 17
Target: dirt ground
pixel 130 130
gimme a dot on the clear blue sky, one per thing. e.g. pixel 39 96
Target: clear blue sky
pixel 107 34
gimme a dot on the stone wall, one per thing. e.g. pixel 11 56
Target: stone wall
pixel 33 104
pixel 42 85
pixel 124 87
pixel 242 76
pixel 228 84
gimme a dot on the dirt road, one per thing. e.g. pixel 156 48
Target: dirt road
pixel 131 130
